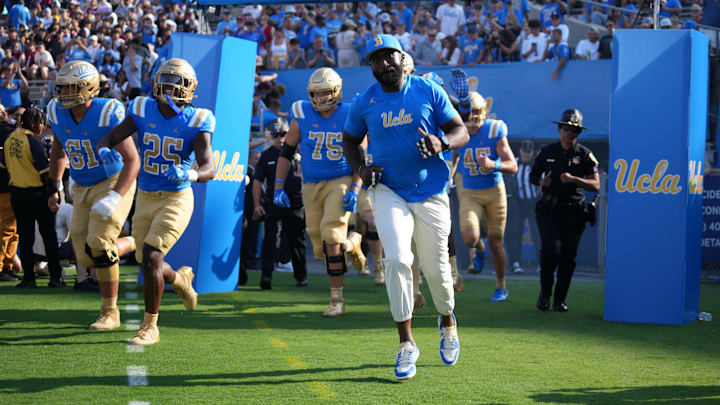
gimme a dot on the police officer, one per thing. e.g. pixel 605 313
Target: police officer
pixel 278 220
pixel 26 161
pixel 564 170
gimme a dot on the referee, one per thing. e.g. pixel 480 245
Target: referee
pixel 564 170
pixel 26 161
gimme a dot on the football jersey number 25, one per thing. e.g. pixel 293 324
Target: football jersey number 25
pixel 333 142
pixel 156 146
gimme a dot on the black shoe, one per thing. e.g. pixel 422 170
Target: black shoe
pixel 90 285
pixel 266 283
pixel 27 284
pixel 56 283
pixel 301 283
pixel 560 306
pixel 6 275
pixel 15 275
pixel 243 277
pixel 543 303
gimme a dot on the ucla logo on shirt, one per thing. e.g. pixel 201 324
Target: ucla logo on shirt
pixel 390 120
pixel 657 183
pixel 695 178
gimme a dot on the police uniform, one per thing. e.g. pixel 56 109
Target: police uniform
pixel 560 212
pixel 26 161
pixel 163 207
pixel 281 220
pixel 8 225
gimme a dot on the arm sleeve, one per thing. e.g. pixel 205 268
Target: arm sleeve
pixel 537 169
pixel 355 125
pixel 442 107
pixel 40 160
pixel 591 164
pixel 564 51
pixel 209 124
pixel 118 114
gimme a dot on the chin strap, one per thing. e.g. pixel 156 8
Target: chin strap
pixel 175 108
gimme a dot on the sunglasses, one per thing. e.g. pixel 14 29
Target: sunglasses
pixel 570 128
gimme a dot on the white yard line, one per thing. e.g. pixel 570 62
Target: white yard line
pixel 132 324
pixel 132 308
pixel 137 375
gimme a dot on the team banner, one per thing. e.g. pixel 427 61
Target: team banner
pixel 226 73
pixel 655 184
pixel 521 94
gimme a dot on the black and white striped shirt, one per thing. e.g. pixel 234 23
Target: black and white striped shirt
pixel 526 190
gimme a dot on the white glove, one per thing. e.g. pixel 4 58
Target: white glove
pixel 106 205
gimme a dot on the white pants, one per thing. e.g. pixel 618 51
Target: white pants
pixel 428 222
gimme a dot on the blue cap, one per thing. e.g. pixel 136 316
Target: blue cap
pixel 378 42
pixel 690 24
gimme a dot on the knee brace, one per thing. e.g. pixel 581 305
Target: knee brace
pixel 334 259
pixel 372 235
pixel 106 258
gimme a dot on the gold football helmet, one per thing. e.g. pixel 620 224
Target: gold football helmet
pixel 478 109
pixel 325 79
pixel 408 64
pixel 177 79
pixel 76 83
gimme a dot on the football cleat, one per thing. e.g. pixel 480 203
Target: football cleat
pixel 76 83
pixel 355 252
pixel 175 79
pixel 184 287
pixel 478 262
pixel 408 354
pixel 322 80
pixel 148 334
pixel 108 319
pixel 337 304
pixel 499 295
pixel 449 342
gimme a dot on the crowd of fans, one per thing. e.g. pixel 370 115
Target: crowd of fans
pixel 440 33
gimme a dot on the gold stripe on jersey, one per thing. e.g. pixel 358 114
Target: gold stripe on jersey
pixel 198 118
pixel 105 114
pixel 139 107
pixel 297 109
pixel 493 129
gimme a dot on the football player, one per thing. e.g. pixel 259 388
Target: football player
pixel 330 188
pixel 103 194
pixel 484 159
pixel 169 130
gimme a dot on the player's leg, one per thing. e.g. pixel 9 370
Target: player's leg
pixel 313 216
pixel 169 214
pixel 418 299
pixel 269 248
pixel 101 247
pixel 46 225
pixel 452 257
pixel 371 236
pixel 470 215
pixel 7 229
pixel 495 204
pixel 432 228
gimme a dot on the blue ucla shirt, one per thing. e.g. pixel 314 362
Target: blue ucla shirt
pixel 471 49
pixel 163 142
pixel 79 140
pixel 321 142
pixel 481 144
pixel 391 121
pixel 558 52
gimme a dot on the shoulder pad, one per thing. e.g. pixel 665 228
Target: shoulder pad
pixel 137 107
pixel 297 110
pixel 498 129
pixel 106 112
pixel 204 119
pixel 52 111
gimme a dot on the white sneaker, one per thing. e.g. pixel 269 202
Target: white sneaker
pixel 449 342
pixel 517 269
pixel 405 362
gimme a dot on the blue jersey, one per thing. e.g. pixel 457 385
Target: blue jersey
pixel 481 144
pixel 321 142
pixel 471 49
pixel 557 52
pixel 163 142
pixel 391 121
pixel 79 140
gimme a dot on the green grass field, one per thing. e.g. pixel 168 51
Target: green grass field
pixel 253 346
